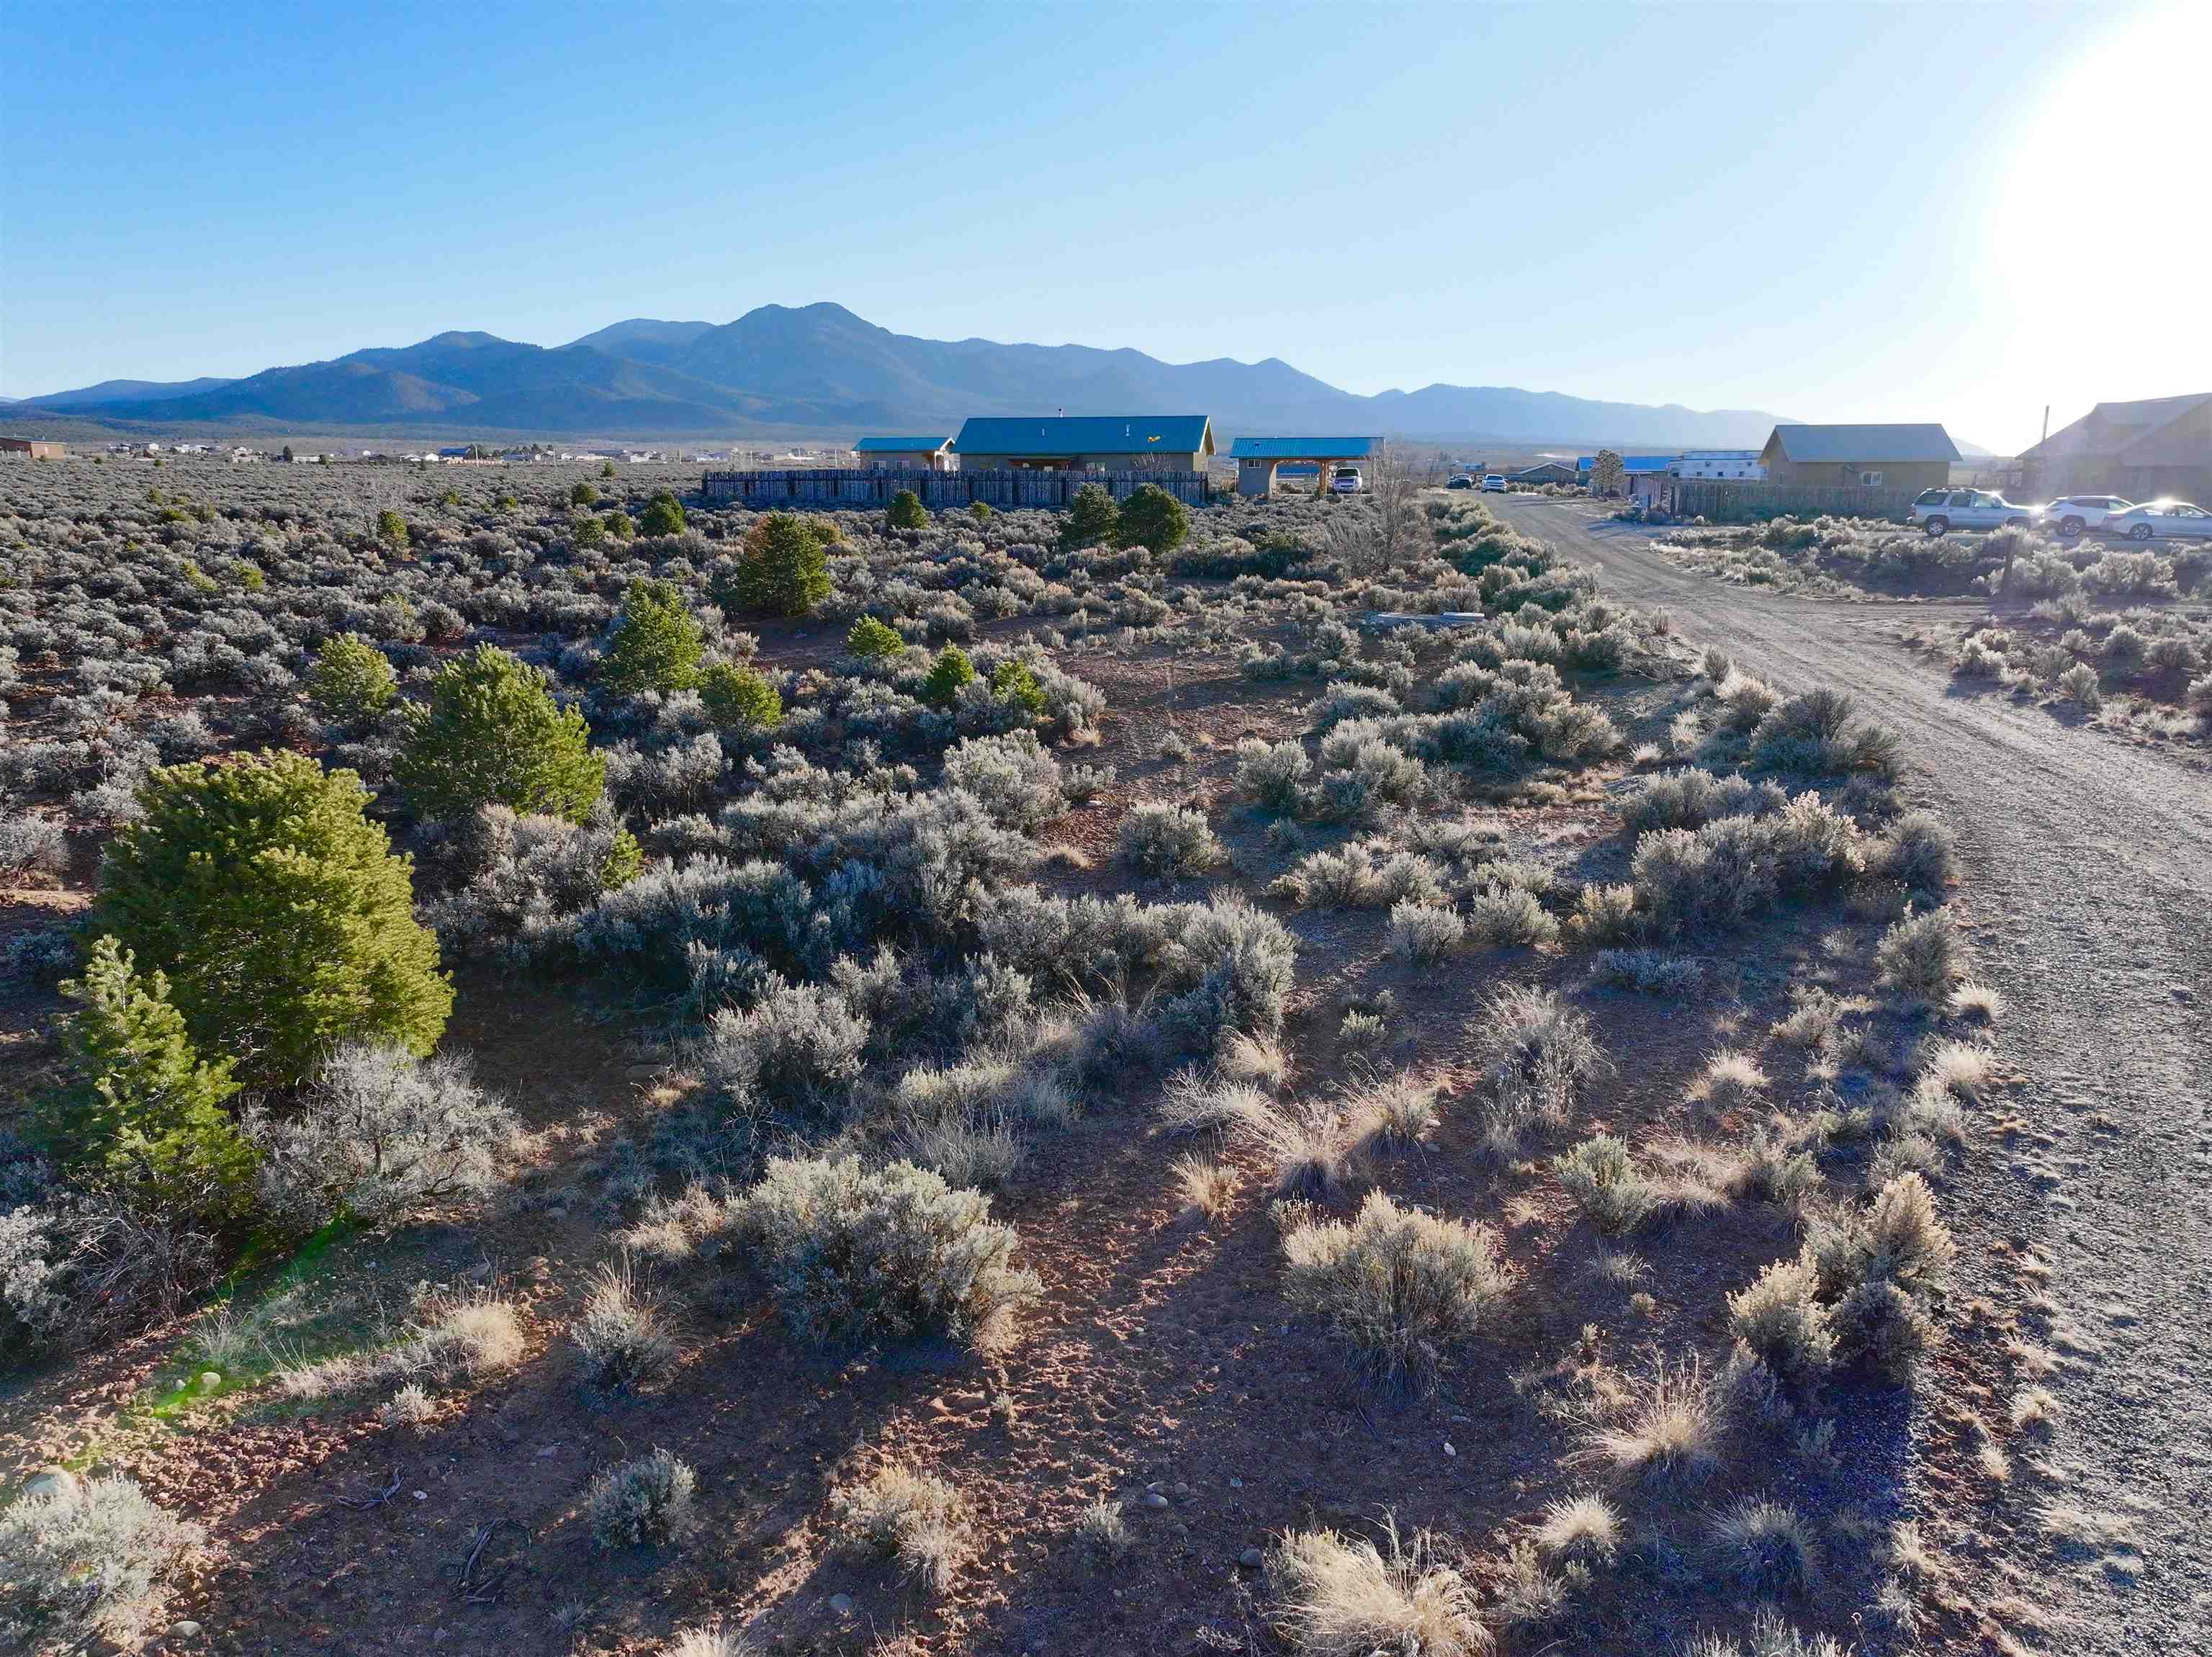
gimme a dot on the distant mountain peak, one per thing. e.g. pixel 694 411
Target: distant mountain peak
pixel 821 367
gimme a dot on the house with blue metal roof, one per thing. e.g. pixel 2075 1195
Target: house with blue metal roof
pixel 908 453
pixel 1258 458
pixel 1087 442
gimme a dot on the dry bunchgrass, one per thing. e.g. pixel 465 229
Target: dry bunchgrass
pixel 621 1338
pixel 1672 1430
pixel 710 1640
pixel 1978 1002
pixel 1730 1078
pixel 1338 1596
pixel 1580 1529
pixel 1763 1547
pixel 454 1337
pixel 1391 1112
pixel 1205 1186
pixel 909 1515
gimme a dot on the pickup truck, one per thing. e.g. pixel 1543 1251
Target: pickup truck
pixel 1940 511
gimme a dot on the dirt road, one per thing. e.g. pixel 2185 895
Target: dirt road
pixel 2089 870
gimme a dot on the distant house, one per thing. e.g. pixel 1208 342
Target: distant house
pixel 1546 471
pixel 1116 442
pixel 34 448
pixel 1642 476
pixel 908 453
pixel 1900 457
pixel 1735 465
pixel 2162 446
pixel 1260 460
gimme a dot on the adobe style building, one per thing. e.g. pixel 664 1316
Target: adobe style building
pixel 1902 457
pixel 1104 442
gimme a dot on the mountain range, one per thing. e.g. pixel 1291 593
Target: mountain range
pixel 819 368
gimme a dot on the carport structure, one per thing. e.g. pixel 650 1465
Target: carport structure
pixel 1257 458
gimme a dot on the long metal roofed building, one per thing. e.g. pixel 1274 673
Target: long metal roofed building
pixel 1257 458
pixel 1087 442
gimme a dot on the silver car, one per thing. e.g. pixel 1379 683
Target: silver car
pixel 2161 521
pixel 1939 511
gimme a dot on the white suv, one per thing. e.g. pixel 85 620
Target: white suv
pixel 1939 511
pixel 1494 485
pixel 2071 514
pixel 1346 480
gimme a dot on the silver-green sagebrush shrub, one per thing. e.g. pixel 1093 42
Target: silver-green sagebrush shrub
pixel 1017 780
pixel 646 1501
pixel 893 1255
pixel 284 923
pixel 909 1515
pixel 88 1560
pixel 1920 957
pixel 1403 1288
pixel 378 1134
pixel 1169 840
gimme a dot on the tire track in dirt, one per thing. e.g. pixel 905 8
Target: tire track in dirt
pixel 2090 892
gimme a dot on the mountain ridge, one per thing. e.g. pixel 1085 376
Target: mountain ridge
pixel 821 367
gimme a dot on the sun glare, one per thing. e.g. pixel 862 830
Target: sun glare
pixel 2103 238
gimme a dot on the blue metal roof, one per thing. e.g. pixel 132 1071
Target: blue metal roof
pixel 897 445
pixel 1302 448
pixel 1631 464
pixel 1087 433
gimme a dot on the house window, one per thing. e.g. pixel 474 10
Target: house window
pixel 1870 480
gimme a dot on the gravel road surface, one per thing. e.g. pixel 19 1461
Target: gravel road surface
pixel 2089 883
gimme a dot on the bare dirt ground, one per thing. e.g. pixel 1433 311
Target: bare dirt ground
pixel 2090 865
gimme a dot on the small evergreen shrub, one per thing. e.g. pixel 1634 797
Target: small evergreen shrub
pixel 1092 518
pixel 1153 518
pixel 783 569
pixel 143 1119
pixel 869 639
pixel 284 922
pixel 663 516
pixel 492 735
pixel 739 698
pixel 352 680
pixel 907 511
pixel 657 643
pixel 1014 684
pixel 947 675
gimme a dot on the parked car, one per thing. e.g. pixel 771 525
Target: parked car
pixel 1463 481
pixel 2161 521
pixel 1939 511
pixel 1346 480
pixel 1493 484
pixel 2071 514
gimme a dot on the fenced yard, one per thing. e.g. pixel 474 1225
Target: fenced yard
pixel 822 487
pixel 1726 502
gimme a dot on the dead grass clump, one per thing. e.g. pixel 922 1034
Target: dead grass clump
pixel 1672 1430
pixel 1192 1103
pixel 1763 1547
pixel 909 1515
pixel 1338 1596
pixel 645 1500
pixel 1580 1530
pixel 1770 1636
pixel 711 1639
pixel 1392 1112
pixel 453 1339
pixel 1403 1288
pixel 1252 1060
pixel 1963 1068
pixel 1978 1002
pixel 1729 1078
pixel 621 1337
pixel 1205 1186
pixel 1537 1054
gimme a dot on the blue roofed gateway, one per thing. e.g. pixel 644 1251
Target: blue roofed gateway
pixel 1100 442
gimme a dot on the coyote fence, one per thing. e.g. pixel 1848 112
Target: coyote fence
pixel 1724 502
pixel 827 489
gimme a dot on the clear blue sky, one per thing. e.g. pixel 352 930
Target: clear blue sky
pixel 1910 211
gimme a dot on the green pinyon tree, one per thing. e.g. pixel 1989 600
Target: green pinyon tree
pixel 951 670
pixel 141 1116
pixel 783 569
pixel 352 680
pixel 870 637
pixel 1091 518
pixel 907 511
pixel 283 921
pixel 657 643
pixel 739 698
pixel 492 735
pixel 1153 518
pixel 663 516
